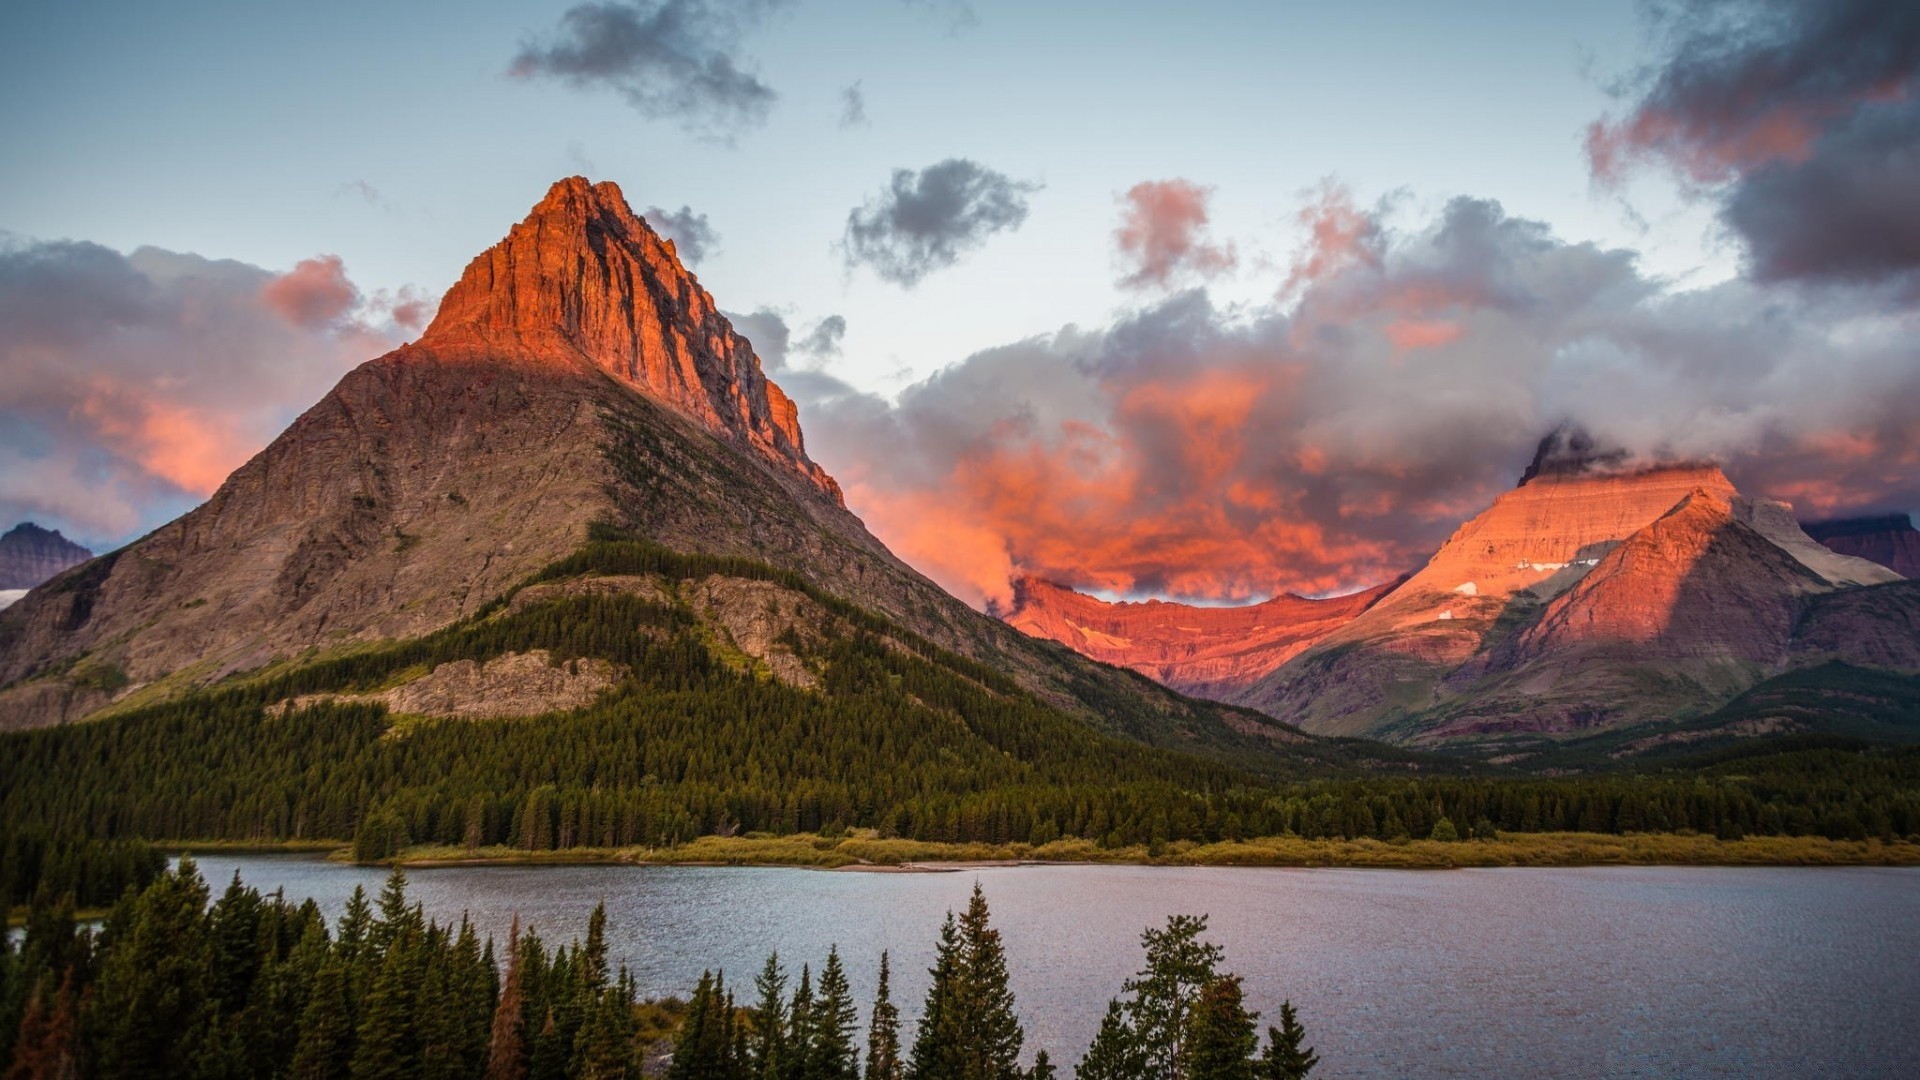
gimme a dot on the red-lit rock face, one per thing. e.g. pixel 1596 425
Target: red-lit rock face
pixel 583 281
pixel 1206 651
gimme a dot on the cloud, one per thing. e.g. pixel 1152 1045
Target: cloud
pixel 314 294
pixel 1333 438
pixel 925 221
pixel 693 238
pixel 1799 116
pixel 773 339
pixel 1162 235
pixel 137 382
pixel 853 106
pixel 824 341
pixel 671 59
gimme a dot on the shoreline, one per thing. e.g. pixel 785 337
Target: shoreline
pixel 869 854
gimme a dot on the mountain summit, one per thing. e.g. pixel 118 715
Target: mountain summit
pixel 584 281
pixel 30 555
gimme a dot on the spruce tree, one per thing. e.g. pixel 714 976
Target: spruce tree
pixel 48 1047
pixel 883 1031
pixel 800 1029
pixel 1043 1068
pixel 1221 1039
pixel 506 1048
pixel 325 1048
pixel 768 1046
pixel 1115 1054
pixel 831 1054
pixel 706 1045
pixel 151 992
pixel 386 1046
pixel 969 1030
pixel 1285 1057
pixel 1179 965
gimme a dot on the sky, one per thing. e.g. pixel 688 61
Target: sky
pixel 1209 301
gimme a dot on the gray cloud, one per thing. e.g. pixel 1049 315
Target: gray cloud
pixel 1330 443
pixel 824 341
pixel 136 382
pixel 925 221
pixel 853 106
pixel 1800 116
pixel 693 237
pixel 671 59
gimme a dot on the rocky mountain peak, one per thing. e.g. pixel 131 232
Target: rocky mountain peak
pixel 1888 539
pixel 30 555
pixel 583 281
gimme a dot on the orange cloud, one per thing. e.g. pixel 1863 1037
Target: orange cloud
pixel 314 294
pixel 1161 235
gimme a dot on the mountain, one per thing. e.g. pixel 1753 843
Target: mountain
pixel 576 385
pixel 1890 540
pixel 30 555
pixel 1582 601
pixel 1212 652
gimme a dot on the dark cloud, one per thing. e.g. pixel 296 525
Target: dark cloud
pixel 1162 235
pixel 135 383
pixel 671 59
pixel 693 237
pixel 1800 116
pixel 824 341
pixel 925 221
pixel 1333 439
pixel 853 106
pixel 773 340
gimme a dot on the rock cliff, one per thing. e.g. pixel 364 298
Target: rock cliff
pixel 1206 651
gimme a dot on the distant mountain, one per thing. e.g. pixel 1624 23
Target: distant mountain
pixel 1211 652
pixel 30 555
pixel 1579 602
pixel 576 382
pixel 1890 540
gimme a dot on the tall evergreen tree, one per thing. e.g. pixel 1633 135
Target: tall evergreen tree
pixel 387 1045
pixel 768 1046
pixel 48 1047
pixel 830 1053
pixel 325 1047
pixel 1179 965
pixel 1043 1068
pixel 1114 1055
pixel 506 1050
pixel 152 992
pixel 883 1031
pixel 801 1031
pixel 970 1030
pixel 1285 1057
pixel 706 1047
pixel 1221 1039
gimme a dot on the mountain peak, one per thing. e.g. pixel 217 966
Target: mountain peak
pixel 585 283
pixel 30 555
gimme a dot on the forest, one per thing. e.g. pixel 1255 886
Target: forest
pixel 176 982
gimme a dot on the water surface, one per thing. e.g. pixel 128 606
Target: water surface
pixel 1591 972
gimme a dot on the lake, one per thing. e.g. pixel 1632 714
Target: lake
pixel 1625 971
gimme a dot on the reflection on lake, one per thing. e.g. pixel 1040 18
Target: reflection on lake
pixel 1593 972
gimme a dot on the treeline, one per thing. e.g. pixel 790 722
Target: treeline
pixel 897 736
pixel 91 873
pixel 257 986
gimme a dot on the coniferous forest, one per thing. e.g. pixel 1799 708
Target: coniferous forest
pixel 176 982
pixel 898 736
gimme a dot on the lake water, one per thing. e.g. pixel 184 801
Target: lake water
pixel 1484 973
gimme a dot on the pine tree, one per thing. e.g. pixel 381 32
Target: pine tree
pixel 883 1031
pixel 506 1051
pixel 706 1047
pixel 1114 1054
pixel 1285 1058
pixel 386 1046
pixel 48 1047
pixel 1179 965
pixel 969 1030
pixel 325 1048
pixel 151 992
pixel 603 1049
pixel 768 1047
pixel 1042 1068
pixel 800 1029
pixel 830 1053
pixel 1221 1039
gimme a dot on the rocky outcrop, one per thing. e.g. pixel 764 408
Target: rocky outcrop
pixel 30 555
pixel 1890 540
pixel 1206 651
